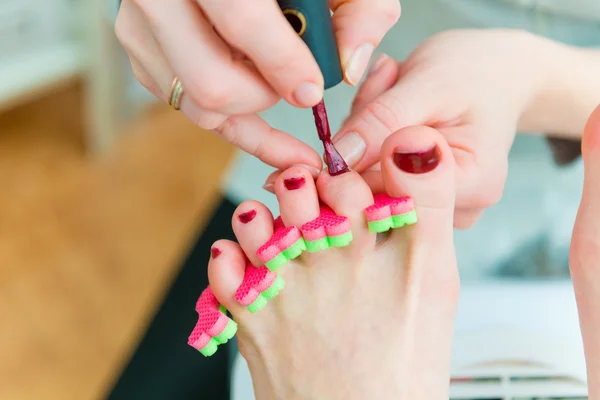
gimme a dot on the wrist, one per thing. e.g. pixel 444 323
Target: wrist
pixel 567 91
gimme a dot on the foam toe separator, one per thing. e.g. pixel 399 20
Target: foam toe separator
pixel 327 230
pixel 390 213
pixel 214 327
pixel 285 245
pixel 258 287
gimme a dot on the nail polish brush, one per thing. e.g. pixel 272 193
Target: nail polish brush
pixel 311 19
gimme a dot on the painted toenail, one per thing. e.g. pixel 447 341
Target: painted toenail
pixel 294 183
pixel 247 216
pixel 215 252
pixel 418 162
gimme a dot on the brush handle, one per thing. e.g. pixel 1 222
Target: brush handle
pixel 311 19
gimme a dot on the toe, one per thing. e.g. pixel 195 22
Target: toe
pixel 297 196
pixel 348 195
pixel 252 224
pixel 417 162
pixel 226 270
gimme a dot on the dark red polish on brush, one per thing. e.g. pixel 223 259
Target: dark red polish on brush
pixel 335 162
pixel 418 163
pixel 215 252
pixel 247 216
pixel 294 183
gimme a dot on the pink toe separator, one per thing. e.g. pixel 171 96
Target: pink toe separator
pixel 328 223
pixel 386 206
pixel 281 240
pixel 211 321
pixel 256 280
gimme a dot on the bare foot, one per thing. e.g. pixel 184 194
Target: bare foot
pixel 372 320
pixel 585 254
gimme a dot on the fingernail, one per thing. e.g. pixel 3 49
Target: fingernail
pixel 418 162
pixel 308 94
pixel 247 216
pixel 215 252
pixel 382 58
pixel 313 171
pixel 352 147
pixel 358 63
pixel 294 183
pixel 269 187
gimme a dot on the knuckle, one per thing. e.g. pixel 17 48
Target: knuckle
pixel 207 96
pixel 236 26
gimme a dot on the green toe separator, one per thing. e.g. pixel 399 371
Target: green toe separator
pixel 262 299
pixel 328 242
pixel 393 222
pixel 210 348
pixel 213 345
pixel 286 255
pixel 227 333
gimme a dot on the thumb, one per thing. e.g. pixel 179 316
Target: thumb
pixel 359 27
pixel 360 138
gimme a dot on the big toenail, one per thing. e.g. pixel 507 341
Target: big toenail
pixel 294 183
pixel 247 216
pixel 418 162
pixel 215 252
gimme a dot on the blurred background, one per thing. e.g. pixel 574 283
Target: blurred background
pixel 104 192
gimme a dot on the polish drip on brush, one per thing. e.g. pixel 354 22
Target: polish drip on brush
pixel 335 162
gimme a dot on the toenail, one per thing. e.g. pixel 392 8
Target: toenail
pixel 215 252
pixel 294 183
pixel 247 216
pixel 418 162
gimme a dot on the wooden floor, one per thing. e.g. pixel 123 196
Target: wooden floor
pixel 87 247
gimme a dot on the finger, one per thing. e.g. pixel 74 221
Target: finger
pixel 407 103
pixel 359 26
pixel 150 66
pixel 274 147
pixel 210 75
pixel 276 49
pixel 202 118
pixel 383 75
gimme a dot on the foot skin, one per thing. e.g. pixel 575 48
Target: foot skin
pixel 585 254
pixel 371 320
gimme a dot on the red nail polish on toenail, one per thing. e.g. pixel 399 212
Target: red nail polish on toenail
pixel 419 162
pixel 215 252
pixel 294 183
pixel 247 216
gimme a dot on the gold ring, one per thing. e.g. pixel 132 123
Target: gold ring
pixel 176 94
pixel 296 19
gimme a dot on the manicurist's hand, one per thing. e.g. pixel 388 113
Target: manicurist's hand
pixel 235 58
pixel 477 87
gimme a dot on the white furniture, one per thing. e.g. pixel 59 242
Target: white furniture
pixel 513 341
pixel 45 43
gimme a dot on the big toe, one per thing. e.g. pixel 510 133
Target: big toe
pixel 417 162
